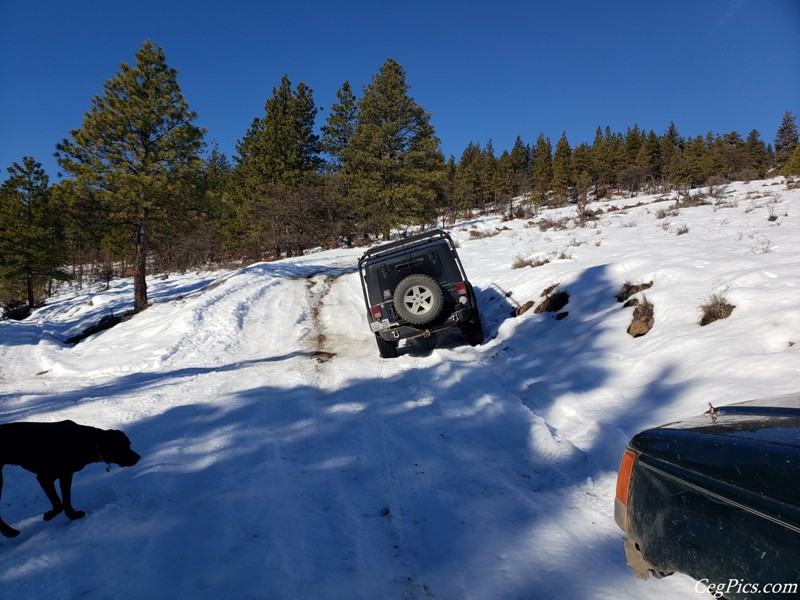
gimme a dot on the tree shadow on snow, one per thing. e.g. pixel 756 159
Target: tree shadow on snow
pixel 420 483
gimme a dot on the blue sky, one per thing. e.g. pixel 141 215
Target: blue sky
pixel 483 70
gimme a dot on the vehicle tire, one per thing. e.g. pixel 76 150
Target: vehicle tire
pixel 418 299
pixel 473 330
pixel 386 348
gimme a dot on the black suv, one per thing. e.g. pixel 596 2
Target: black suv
pixel 416 287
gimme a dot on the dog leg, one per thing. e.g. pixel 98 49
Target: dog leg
pixel 5 528
pixel 66 496
pixel 49 486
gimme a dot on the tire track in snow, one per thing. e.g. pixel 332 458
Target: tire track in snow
pixel 366 485
pixel 319 286
pixel 325 473
pixel 219 321
pixel 398 543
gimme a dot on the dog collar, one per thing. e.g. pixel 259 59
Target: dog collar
pixel 108 464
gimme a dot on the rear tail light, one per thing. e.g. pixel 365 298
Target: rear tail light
pixel 377 313
pixel 461 288
pixel 624 476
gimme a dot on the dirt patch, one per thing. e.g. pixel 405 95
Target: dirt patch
pixel 319 338
pixel 322 356
pixel 318 286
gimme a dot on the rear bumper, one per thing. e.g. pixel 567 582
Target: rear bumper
pixel 633 552
pixel 641 567
pixel 398 331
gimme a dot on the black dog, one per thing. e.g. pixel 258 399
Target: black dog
pixel 58 451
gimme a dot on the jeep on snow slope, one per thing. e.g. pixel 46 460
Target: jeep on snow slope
pixel 416 287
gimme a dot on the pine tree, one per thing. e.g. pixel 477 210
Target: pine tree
pixel 337 136
pixel 505 175
pixel 672 137
pixel 580 164
pixel 581 159
pixel 489 175
pixel 137 151
pixel 563 177
pixel 394 162
pixel 31 242
pixel 670 151
pixel 201 234
pixel 732 152
pixel 757 155
pixel 447 201
pixel 634 140
pixel 519 174
pixel 521 156
pixel 281 147
pixel 277 161
pixel 792 166
pixel 606 157
pixel 542 170
pixel 339 128
pixel 696 162
pixel 467 188
pixel 649 157
pixel 786 140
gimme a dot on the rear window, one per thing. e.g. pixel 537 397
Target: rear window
pixel 435 260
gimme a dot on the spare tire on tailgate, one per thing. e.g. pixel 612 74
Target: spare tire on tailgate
pixel 418 299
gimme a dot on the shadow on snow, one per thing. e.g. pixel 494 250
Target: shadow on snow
pixel 424 479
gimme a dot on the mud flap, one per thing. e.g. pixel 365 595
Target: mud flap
pixel 640 566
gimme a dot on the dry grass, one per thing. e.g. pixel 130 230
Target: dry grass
pixel 521 263
pixel 630 288
pixel 716 307
pixel 670 211
pixel 544 224
pixel 644 309
pixel 474 234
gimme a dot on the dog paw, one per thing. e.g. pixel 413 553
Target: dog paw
pixel 51 514
pixel 75 514
pixel 9 532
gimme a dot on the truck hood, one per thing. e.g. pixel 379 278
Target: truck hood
pixel 753 447
pixel 771 421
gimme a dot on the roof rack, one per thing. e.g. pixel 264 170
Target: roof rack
pixel 400 244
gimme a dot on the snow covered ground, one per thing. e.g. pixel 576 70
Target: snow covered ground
pixel 282 458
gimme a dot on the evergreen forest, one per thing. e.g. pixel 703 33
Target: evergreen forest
pixel 140 190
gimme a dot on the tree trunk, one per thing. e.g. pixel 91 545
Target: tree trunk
pixel 140 269
pixel 31 297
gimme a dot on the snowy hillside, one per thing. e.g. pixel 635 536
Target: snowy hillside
pixel 282 458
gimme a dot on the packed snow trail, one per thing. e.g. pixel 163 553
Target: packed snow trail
pixel 270 468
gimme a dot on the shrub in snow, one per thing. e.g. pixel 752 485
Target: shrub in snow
pixel 715 308
pixel 643 318
pixel 629 289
